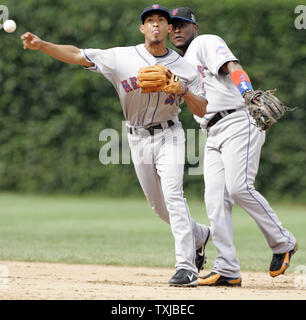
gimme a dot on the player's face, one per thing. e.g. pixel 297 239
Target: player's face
pixel 155 28
pixel 182 34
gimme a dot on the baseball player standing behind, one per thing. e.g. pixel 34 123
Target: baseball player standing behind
pixel 155 135
pixel 232 152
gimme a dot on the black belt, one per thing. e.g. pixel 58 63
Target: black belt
pixel 219 116
pixel 152 129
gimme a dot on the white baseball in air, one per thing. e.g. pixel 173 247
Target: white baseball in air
pixel 9 26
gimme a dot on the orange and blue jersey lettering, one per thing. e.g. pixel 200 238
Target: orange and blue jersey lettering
pixel 134 83
pixel 201 70
pixel 170 100
pixel 126 86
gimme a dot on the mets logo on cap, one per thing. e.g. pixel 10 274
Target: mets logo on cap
pixel 174 12
pixel 155 6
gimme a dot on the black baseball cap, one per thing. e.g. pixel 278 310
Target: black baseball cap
pixel 183 13
pixel 154 9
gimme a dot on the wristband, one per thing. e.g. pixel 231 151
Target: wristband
pixel 241 81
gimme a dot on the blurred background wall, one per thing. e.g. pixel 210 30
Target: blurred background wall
pixel 51 113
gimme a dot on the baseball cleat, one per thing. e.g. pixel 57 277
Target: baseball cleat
pixel 183 278
pixel 215 279
pixel 200 258
pixel 280 262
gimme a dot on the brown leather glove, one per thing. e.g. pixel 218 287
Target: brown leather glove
pixel 157 78
pixel 265 108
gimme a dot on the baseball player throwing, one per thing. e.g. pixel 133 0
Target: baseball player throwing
pixel 150 94
pixel 232 151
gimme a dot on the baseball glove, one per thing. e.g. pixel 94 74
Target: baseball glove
pixel 157 78
pixel 265 108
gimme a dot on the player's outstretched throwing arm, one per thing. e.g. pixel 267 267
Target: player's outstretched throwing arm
pixel 66 53
pixel 160 78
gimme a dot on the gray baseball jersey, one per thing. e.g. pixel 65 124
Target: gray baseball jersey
pixel 231 158
pixel 120 66
pixel 158 159
pixel 208 53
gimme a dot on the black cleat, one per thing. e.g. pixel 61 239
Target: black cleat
pixel 200 258
pixel 215 279
pixel 183 278
pixel 280 262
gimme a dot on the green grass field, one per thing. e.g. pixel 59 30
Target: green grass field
pixel 121 232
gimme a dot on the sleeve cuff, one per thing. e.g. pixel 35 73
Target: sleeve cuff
pixel 92 68
pixel 223 62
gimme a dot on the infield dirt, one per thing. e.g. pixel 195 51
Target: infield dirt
pixel 44 281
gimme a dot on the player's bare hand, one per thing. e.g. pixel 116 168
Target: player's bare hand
pixel 181 87
pixel 169 75
pixel 31 41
